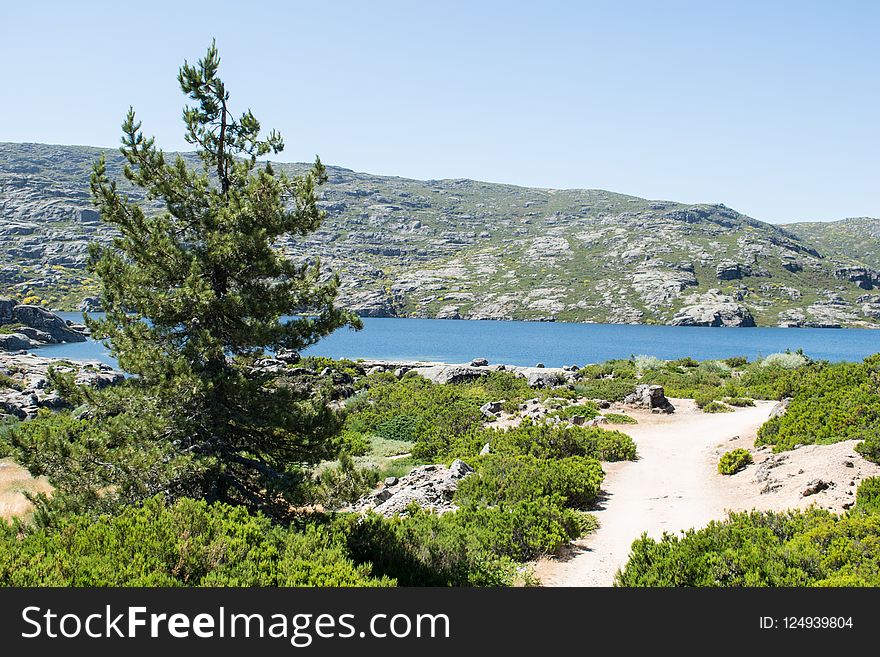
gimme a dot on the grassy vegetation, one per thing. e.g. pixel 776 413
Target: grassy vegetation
pixel 733 461
pixel 619 418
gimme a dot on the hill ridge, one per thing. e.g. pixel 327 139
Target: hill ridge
pixel 461 248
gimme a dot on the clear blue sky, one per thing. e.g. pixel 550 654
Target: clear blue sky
pixel 769 107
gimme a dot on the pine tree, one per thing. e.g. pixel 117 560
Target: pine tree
pixel 194 298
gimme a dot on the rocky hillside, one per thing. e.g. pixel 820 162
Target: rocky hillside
pixel 467 249
pixel 857 238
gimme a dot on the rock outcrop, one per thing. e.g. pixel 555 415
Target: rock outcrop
pixel 431 487
pixel 32 326
pixel 713 309
pixel 651 397
pixel 26 380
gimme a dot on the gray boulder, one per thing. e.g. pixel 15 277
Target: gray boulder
pixel 479 362
pixel 713 310
pixel 43 320
pixel 651 397
pixel 451 373
pixel 780 407
pixel 37 335
pixel 541 378
pixel 728 270
pixel 490 410
pixel 431 487
pixel 15 342
pixel 6 307
pixel 91 305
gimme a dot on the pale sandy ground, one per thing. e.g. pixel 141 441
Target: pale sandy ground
pixel 675 485
pixel 14 481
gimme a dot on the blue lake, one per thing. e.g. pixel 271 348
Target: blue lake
pixel 552 343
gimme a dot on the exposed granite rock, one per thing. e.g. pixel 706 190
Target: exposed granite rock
pixel 728 270
pixel 431 487
pixel 451 373
pixel 651 397
pixel 40 325
pixel 16 342
pixel 865 278
pixel 713 309
pixel 29 373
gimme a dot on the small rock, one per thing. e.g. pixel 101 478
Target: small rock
pixel 816 486
pixel 390 481
pixel 485 450
pixel 459 469
pixel 539 364
pixel 479 362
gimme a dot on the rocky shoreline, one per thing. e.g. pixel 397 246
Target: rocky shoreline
pixel 24 381
pixel 25 326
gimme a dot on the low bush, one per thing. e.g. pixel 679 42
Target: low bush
pixel 716 407
pixel 587 410
pixel 868 495
pixel 796 548
pixel 619 418
pixel 574 481
pixel 739 401
pixel 734 461
pixel 474 546
pixel 830 403
pixel 787 360
pixel 547 441
pixel 190 543
pixel 607 389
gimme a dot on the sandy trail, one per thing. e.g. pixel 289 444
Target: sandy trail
pixel 674 485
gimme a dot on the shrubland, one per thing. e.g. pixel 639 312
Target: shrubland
pixel 793 548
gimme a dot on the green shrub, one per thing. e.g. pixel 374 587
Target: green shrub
pixel 6 426
pixel 868 495
pixel 734 461
pixel 739 401
pixel 190 543
pixel 646 363
pixel 716 407
pixel 787 360
pixel 619 418
pixel 574 481
pixel 607 389
pixel 870 448
pixel 736 362
pixel 474 546
pixel 401 428
pixel 702 399
pixel 687 362
pixel 587 410
pixel 797 548
pixel 829 403
pixel 546 441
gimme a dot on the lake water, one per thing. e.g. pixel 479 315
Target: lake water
pixel 551 343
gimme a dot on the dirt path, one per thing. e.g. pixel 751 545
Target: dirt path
pixel 674 485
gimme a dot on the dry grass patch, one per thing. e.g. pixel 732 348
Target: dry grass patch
pixel 15 481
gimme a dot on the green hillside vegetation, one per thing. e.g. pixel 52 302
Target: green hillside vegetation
pixel 857 238
pixel 463 248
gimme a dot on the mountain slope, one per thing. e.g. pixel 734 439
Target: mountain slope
pixel 461 248
pixel 856 238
